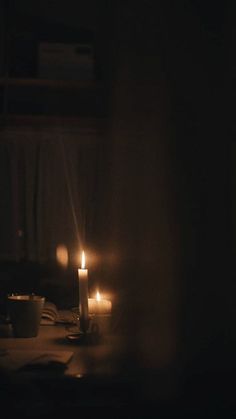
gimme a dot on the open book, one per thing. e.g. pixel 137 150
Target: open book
pixel 51 315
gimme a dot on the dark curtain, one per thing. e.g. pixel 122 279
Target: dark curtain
pixel 169 226
pixel 49 181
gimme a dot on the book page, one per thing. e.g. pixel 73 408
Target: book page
pixel 51 315
pixel 14 359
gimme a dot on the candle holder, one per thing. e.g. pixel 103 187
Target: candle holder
pixel 88 338
pixel 86 333
pixel 98 327
pixel 83 324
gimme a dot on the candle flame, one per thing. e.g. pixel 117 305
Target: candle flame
pixel 98 296
pixel 83 260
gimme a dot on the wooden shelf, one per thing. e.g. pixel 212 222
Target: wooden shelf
pixel 62 98
pixel 22 120
pixel 36 88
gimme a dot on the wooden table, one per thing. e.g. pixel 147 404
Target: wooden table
pixel 90 381
pixel 87 357
pixel 96 382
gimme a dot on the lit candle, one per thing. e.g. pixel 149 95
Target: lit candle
pixel 100 313
pixel 99 305
pixel 83 295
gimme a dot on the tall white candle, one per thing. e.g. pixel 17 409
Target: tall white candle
pixel 83 295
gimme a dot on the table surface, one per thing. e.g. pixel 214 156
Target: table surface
pixel 91 379
pixel 89 382
pixel 94 358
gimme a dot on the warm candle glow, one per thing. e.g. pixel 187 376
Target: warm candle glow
pixel 62 255
pixel 83 260
pixel 98 296
pixel 99 305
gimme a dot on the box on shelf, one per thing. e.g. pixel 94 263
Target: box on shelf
pixel 65 61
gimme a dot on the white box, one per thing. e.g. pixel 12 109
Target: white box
pixel 65 61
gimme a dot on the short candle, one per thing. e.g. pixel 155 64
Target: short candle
pixel 99 305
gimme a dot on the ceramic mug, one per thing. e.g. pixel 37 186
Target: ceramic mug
pixel 25 313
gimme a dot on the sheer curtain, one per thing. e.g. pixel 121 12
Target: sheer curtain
pixel 49 178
